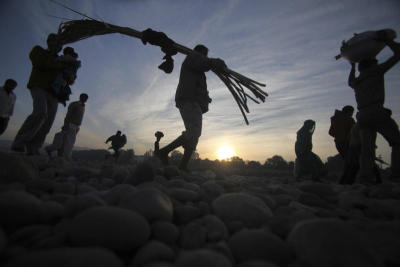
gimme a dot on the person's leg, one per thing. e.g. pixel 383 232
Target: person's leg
pixel 367 157
pixel 193 120
pixel 36 143
pixel 342 148
pixel 389 129
pixel 3 124
pixel 33 122
pixel 70 138
pixel 57 143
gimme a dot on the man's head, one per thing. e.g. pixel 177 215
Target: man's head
pixel 348 110
pixel 53 43
pixel 70 51
pixel 83 98
pixel 118 132
pixel 367 63
pixel 309 125
pixel 201 49
pixel 10 85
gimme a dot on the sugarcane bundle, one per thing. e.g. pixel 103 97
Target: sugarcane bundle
pixel 75 30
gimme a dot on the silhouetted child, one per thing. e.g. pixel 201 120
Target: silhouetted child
pixel 67 76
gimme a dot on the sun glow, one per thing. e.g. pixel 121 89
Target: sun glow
pixel 225 152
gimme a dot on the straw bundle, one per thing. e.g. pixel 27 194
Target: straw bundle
pixel 75 30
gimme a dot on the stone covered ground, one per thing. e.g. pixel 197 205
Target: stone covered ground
pixel 96 213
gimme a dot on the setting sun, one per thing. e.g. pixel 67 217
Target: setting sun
pixel 225 152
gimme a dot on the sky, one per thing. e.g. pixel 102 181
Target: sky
pixel 289 45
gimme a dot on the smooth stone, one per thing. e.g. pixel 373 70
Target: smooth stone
pixel 212 190
pixel 39 186
pixel 64 188
pixel 113 196
pixel 312 200
pixel 185 214
pixel 165 232
pixel 67 257
pixel 256 244
pixel 153 251
pixel 250 210
pixel 79 203
pixel 384 239
pixel 221 247
pixel 202 258
pixel 330 242
pixel 256 263
pixel 110 227
pixel 18 208
pixel 52 211
pixel 216 229
pixel 158 264
pixel 184 195
pixel 18 170
pixel 170 172
pixel 85 188
pixel 144 172
pixel 151 203
pixel 319 189
pixel 29 236
pixel 193 236
pixel 3 240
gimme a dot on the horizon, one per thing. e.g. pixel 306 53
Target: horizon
pixel 289 45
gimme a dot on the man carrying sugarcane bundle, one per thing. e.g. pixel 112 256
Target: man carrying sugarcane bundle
pixel 372 116
pixel 192 100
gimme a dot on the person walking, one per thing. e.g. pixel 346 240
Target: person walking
pixel 64 141
pixel 36 126
pixel 372 116
pixel 192 100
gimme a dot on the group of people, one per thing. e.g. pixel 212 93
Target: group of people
pixel 49 84
pixel 356 141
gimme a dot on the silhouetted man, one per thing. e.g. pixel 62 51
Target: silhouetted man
pixel 341 124
pixel 192 100
pixel 117 142
pixel 7 101
pixel 45 67
pixel 372 116
pixel 65 140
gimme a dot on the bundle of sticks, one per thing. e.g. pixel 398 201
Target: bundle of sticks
pixel 75 30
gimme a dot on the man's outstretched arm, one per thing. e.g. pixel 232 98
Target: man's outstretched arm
pixel 395 47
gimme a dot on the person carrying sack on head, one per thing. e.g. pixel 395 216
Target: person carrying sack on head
pixel 372 116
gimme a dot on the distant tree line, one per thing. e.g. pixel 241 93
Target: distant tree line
pixel 274 163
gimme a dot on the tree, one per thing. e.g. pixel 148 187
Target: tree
pixel 276 162
pixel 236 162
pixel 254 164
